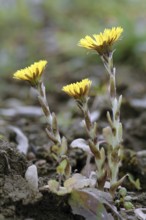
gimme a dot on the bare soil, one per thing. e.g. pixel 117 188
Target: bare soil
pixel 17 200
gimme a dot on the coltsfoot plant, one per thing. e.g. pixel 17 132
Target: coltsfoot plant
pixel 107 160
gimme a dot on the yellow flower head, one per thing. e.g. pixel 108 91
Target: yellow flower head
pixel 103 41
pixel 79 89
pixel 32 74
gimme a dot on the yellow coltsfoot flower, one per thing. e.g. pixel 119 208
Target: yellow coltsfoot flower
pixel 31 74
pixel 78 90
pixel 102 42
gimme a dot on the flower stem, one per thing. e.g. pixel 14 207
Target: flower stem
pixel 114 153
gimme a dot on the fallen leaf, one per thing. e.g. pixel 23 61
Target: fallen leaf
pixel 22 140
pixel 82 144
pixel 77 181
pixel 89 203
pixel 140 213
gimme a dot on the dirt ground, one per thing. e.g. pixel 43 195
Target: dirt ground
pixel 17 200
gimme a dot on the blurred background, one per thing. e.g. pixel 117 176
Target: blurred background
pixel 32 30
